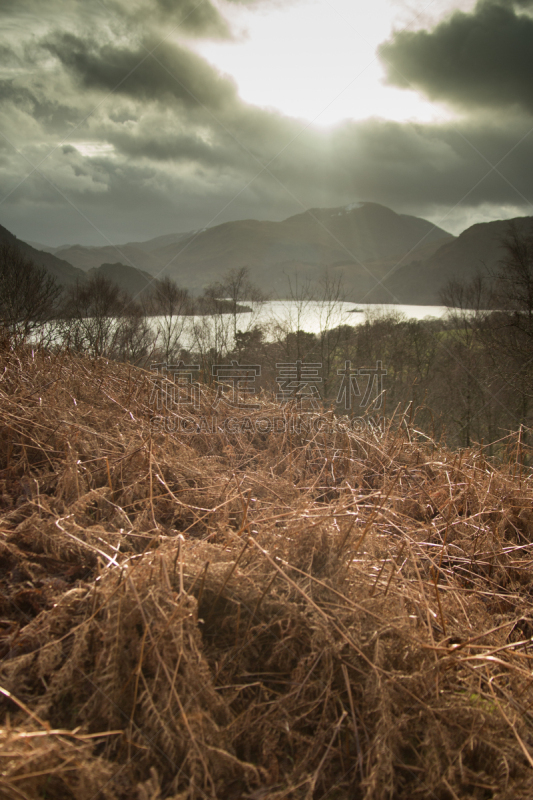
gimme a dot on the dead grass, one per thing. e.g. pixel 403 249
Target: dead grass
pixel 244 615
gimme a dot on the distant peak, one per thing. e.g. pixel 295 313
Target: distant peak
pixel 352 206
pixel 341 210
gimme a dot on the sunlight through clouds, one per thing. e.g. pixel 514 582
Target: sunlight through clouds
pixel 165 115
pixel 317 60
pixel 92 149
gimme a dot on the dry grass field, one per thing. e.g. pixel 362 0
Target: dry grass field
pixel 237 614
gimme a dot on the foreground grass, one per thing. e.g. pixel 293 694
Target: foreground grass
pixel 257 615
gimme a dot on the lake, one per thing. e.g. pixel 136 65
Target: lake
pixel 281 316
pixel 313 316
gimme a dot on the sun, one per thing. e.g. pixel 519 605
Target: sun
pixel 317 60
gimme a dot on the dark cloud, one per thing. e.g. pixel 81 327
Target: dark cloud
pixel 483 58
pixel 139 145
pixel 150 71
pixel 8 57
pixel 168 146
pixel 193 17
pixel 45 107
pixel 158 179
pixel 200 18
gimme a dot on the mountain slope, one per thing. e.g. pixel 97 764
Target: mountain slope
pixel 477 250
pixel 361 241
pixel 86 258
pixel 382 256
pixel 352 240
pixel 366 231
pixel 61 270
pixel 134 281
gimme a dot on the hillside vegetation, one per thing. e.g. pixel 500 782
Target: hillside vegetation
pixel 237 614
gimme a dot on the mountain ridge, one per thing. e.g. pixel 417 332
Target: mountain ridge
pixel 307 242
pixel 477 250
pixel 382 256
pixel 64 272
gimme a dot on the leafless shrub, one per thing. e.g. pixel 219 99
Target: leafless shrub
pixel 28 296
pixel 102 320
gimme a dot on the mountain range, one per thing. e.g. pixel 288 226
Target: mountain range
pixel 383 256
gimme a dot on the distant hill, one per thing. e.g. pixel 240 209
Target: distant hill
pixel 131 280
pixel 477 250
pixel 141 255
pixel 353 240
pixel 160 241
pixel 86 258
pixel 61 270
pixel 383 257
pixel 45 247
pixel 358 240
pixel 135 282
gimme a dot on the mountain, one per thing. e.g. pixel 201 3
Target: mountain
pixel 134 281
pixel 478 249
pixel 383 257
pixel 362 241
pixel 61 270
pixel 86 258
pixel 353 240
pixel 359 240
pixel 45 247
pixel 160 241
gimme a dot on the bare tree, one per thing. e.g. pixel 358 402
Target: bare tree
pixel 103 320
pixel 211 332
pixel 135 339
pixel 514 281
pixel 221 327
pixel 29 296
pixel 509 329
pixel 331 298
pixel 237 287
pixel 289 326
pixel 171 307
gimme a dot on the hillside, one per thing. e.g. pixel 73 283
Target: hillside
pixel 382 256
pixel 239 611
pixel 86 258
pixel 303 246
pixel 133 281
pixel 477 250
pixel 354 240
pixel 61 270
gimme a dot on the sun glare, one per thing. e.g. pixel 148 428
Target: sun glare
pixel 93 149
pixel 317 60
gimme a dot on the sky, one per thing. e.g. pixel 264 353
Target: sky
pixel 121 120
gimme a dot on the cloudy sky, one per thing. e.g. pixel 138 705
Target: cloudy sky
pixel 122 120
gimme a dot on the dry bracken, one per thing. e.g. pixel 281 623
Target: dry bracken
pixel 228 613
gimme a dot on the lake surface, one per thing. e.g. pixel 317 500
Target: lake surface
pixel 279 317
pixel 318 315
